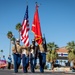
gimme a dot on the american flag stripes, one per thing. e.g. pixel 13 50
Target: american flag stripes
pixel 25 29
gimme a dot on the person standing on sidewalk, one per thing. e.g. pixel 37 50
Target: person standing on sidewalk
pixel 4 59
pixel 9 61
pixel 4 63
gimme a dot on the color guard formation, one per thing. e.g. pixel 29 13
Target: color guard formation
pixel 28 55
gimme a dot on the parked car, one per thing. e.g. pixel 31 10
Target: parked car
pixel 57 65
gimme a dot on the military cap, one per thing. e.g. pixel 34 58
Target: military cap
pixel 17 40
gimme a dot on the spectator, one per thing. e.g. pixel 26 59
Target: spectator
pixel 9 61
pixel 3 58
pixel 3 62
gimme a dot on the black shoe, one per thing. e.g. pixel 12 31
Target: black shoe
pixel 33 71
pixel 16 72
pixel 25 72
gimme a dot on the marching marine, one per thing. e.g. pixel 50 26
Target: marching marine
pixel 33 56
pixel 25 59
pixel 17 50
pixel 42 58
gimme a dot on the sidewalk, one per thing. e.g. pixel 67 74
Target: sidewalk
pixel 61 69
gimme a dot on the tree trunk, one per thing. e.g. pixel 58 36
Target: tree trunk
pixel 19 35
pixel 10 48
pixel 52 65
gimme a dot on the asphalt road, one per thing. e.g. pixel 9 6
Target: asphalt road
pixel 11 72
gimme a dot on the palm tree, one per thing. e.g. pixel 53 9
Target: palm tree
pixel 52 55
pixel 1 53
pixel 71 51
pixel 9 35
pixel 18 27
pixel 13 39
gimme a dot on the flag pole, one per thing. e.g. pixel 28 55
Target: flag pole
pixel 27 2
pixel 25 28
pixel 36 28
pixel 36 3
pixel 44 42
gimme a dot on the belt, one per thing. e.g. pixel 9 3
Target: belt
pixel 16 53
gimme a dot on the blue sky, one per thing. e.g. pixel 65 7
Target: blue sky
pixel 57 19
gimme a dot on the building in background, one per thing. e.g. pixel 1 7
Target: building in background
pixel 62 57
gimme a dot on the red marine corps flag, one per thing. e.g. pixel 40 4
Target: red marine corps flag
pixel 25 29
pixel 36 29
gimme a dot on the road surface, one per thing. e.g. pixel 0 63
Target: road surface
pixel 11 72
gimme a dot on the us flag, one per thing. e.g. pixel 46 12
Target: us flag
pixel 25 29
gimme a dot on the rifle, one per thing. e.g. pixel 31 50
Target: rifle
pixel 44 44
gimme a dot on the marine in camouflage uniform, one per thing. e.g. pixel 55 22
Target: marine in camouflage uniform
pixel 42 58
pixel 25 59
pixel 17 50
pixel 33 56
